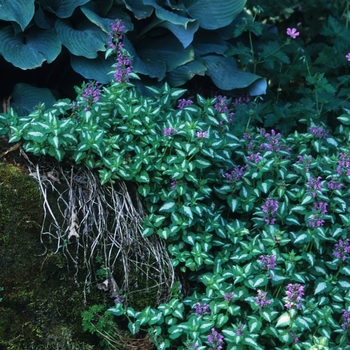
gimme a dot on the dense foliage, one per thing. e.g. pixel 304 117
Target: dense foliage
pixel 250 194
pixel 169 41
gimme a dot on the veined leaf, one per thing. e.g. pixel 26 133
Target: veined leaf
pixel 227 76
pixel 62 8
pixel 320 286
pixel 19 11
pixel 143 177
pixel 283 320
pixel 214 14
pixel 201 163
pixel 167 207
pixel 84 40
pixel 30 49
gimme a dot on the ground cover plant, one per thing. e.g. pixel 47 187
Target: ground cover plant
pixel 250 194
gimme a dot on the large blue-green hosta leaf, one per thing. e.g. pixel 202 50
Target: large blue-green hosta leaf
pixel 30 49
pixel 139 9
pixel 94 69
pixel 168 49
pixel 225 74
pixel 20 11
pixel 182 74
pixel 184 33
pixel 25 97
pixel 207 41
pixel 84 40
pixel 62 8
pixel 91 12
pixel 42 20
pixel 154 68
pixel 182 27
pixel 214 14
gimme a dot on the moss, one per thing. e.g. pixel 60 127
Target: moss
pixel 20 192
pixel 41 306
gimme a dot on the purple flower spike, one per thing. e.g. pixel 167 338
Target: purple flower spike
pixel 215 339
pixel 294 293
pixel 261 300
pixel 342 249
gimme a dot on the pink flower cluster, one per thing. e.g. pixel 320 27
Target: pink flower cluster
pixel 292 32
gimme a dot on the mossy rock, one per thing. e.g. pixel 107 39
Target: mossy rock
pixel 41 307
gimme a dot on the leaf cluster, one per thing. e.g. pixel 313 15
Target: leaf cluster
pixel 205 195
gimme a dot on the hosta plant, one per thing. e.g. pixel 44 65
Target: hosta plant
pixel 169 41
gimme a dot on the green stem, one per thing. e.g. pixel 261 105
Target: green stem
pixel 262 61
pixel 278 291
pixel 252 51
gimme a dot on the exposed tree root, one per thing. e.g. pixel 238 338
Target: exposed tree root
pixel 90 220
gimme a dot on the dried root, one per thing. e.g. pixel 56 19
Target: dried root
pixel 89 220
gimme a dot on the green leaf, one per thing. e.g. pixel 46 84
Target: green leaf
pixel 62 8
pixel 254 325
pixel 326 331
pixel 227 76
pixel 187 211
pixel 148 231
pixel 309 257
pixel 292 220
pixel 95 69
pixel 175 332
pixel 214 14
pixel 168 207
pixel 19 11
pixel 221 320
pixel 26 97
pixel 205 326
pixel 56 153
pixel 229 333
pixel 143 177
pixel 345 119
pixel 186 72
pixel 260 282
pixel 158 220
pixel 85 39
pixel 165 233
pixel 165 48
pixel 302 238
pixel 144 190
pixel 251 342
pixel 302 323
pixel 116 311
pixel 299 209
pixel 307 199
pixel 90 11
pixel 35 135
pixel 183 28
pixel 320 286
pixel 139 9
pixel 134 327
pixel 30 49
pixel 54 141
pixel 232 202
pixel 345 270
pixel 105 176
pixel 201 163
pixel 284 320
pixel 344 283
